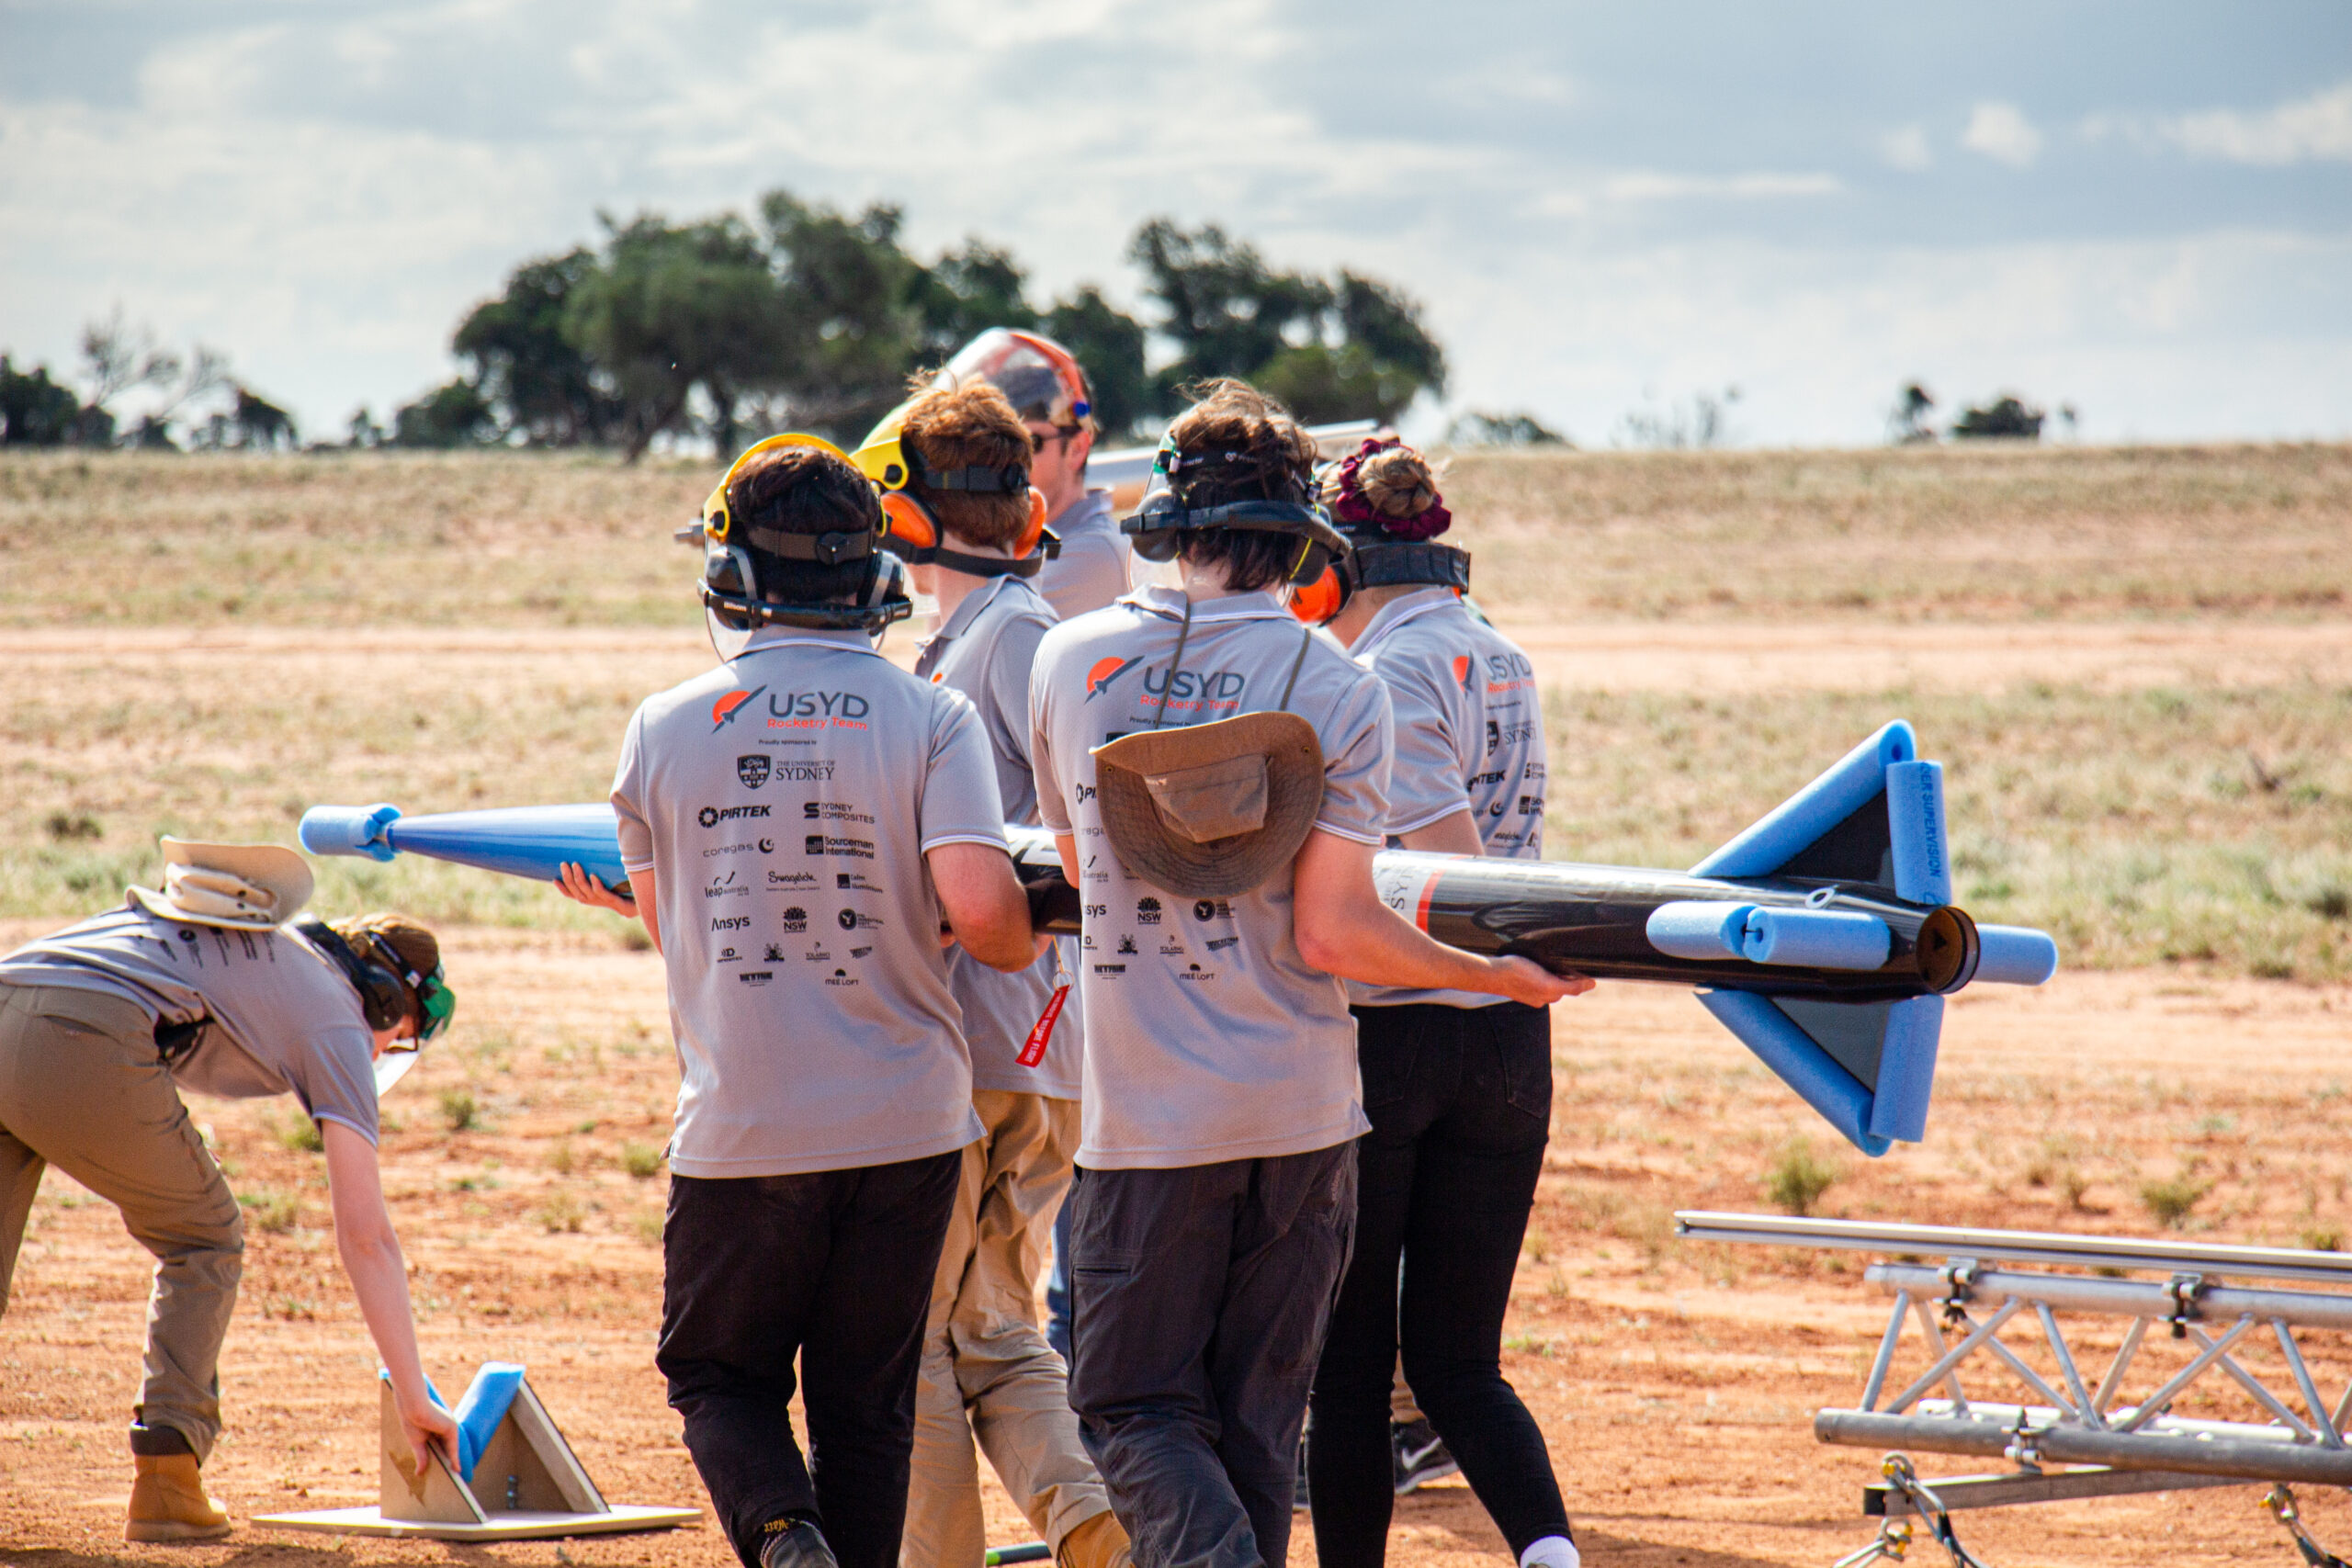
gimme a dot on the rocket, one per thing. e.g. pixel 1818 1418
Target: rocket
pixel 1823 937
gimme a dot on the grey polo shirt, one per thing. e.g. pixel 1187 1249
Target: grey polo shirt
pixel 785 802
pixel 1092 568
pixel 1208 1037
pixel 1469 738
pixel 986 650
pixel 282 1018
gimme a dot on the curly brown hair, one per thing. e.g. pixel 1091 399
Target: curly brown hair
pixel 419 949
pixel 1255 451
pixel 973 425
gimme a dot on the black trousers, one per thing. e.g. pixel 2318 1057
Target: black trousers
pixel 1461 1104
pixel 1199 1298
pixel 836 1267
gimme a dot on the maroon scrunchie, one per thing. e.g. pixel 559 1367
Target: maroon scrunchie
pixel 1351 506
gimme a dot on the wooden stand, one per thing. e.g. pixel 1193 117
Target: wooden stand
pixel 527 1485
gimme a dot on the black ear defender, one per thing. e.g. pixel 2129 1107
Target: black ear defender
pixel 383 1000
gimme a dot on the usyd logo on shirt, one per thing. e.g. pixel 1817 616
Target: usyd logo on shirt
pixel 754 771
pixel 712 815
pixel 805 710
pixel 1106 671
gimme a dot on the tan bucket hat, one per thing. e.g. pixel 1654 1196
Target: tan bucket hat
pixel 1211 810
pixel 241 886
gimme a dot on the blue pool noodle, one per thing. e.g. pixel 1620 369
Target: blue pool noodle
pixel 1804 1067
pixel 1699 928
pixel 1906 1069
pixel 483 1408
pixel 2015 955
pixel 1824 939
pixel 1829 800
pixel 1914 820
pixel 519 840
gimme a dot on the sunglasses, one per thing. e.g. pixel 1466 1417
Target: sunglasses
pixel 1061 433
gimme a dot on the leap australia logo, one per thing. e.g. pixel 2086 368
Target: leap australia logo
pixel 712 815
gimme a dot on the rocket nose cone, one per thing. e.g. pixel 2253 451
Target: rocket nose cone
pixel 1946 949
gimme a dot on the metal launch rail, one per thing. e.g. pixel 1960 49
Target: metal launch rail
pixel 2067 1425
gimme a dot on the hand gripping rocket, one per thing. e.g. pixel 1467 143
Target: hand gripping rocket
pixel 1823 937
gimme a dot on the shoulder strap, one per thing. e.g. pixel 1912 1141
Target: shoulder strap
pixel 1167 692
pixel 1305 636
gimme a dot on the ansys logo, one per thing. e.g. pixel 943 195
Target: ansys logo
pixel 1106 671
pixel 723 711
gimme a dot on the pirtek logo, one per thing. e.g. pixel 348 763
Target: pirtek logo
pixel 1106 671
pixel 723 711
pixel 712 815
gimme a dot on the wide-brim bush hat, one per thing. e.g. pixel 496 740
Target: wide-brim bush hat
pixel 1210 810
pixel 238 886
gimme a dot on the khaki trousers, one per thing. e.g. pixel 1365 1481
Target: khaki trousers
pixel 83 1088
pixel 988 1373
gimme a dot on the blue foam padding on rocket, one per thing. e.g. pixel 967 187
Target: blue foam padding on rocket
pixel 347 831
pixel 1906 1069
pixel 1829 800
pixel 483 1407
pixel 1915 821
pixel 1804 1067
pixel 2015 955
pixel 1698 928
pixel 1820 939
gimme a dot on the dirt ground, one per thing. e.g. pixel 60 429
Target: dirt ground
pixel 1674 1380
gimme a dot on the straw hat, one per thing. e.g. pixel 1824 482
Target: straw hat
pixel 1210 810
pixel 241 886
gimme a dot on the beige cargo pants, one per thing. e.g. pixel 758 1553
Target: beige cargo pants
pixel 988 1373
pixel 82 1087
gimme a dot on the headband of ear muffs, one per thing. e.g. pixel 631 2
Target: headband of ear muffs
pixel 1373 564
pixel 736 600
pixel 382 997
pixel 1161 522
pixel 914 532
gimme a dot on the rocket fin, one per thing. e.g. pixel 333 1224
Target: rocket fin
pixel 1874 817
pixel 1867 1067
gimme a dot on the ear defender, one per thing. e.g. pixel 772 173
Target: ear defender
pixel 1316 603
pixel 908 526
pixel 1030 536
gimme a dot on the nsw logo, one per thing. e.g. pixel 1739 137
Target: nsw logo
pixel 754 771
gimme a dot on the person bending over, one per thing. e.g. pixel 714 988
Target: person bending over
pixel 796 825
pixel 1215 774
pixel 210 986
pixel 954 467
pixel 1458 1083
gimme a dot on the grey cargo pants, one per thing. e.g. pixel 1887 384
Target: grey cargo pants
pixel 1199 1298
pixel 83 1088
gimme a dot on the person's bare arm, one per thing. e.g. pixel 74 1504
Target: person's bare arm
pixel 582 886
pixel 1066 851
pixel 371 1257
pixel 1454 835
pixel 983 904
pixel 1343 928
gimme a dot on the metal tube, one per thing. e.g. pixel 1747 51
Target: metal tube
pixel 1886 1358
pixel 2328 1434
pixel 1935 1338
pixel 2154 1405
pixel 2119 1298
pixel 2021 1246
pixel 2083 1406
pixel 2032 1378
pixel 2114 1380
pixel 2246 1456
pixel 1954 1356
pixel 2252 1385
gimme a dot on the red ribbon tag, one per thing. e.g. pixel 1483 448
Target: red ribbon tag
pixel 1034 1051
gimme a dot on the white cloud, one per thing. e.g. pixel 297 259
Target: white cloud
pixel 2001 132
pixel 2313 128
pixel 1906 148
pixel 1650 186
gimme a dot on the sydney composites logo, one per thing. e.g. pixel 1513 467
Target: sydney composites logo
pixel 1106 671
pixel 723 711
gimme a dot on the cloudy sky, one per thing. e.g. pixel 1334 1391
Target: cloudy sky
pixel 2143 210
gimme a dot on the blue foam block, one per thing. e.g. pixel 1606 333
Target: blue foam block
pixel 1829 800
pixel 1817 939
pixel 1804 1067
pixel 1915 820
pixel 2015 955
pixel 347 831
pixel 1699 928
pixel 483 1408
pixel 1906 1069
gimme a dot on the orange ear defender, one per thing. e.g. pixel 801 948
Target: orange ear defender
pixel 1317 602
pixel 909 527
pixel 1035 531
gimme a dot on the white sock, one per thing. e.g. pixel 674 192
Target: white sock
pixel 1552 1551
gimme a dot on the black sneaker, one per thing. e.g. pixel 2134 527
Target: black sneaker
pixel 1420 1455
pixel 799 1545
pixel 1298 1503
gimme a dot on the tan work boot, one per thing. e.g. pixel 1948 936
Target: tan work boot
pixel 1101 1542
pixel 167 1502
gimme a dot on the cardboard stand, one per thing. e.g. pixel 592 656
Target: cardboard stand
pixel 526 1484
